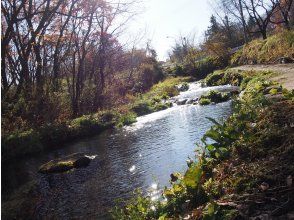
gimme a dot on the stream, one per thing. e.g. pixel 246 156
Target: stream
pixel 142 155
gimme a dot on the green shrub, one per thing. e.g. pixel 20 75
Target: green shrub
pixel 214 78
pixel 156 99
pixel 200 68
pixel 178 70
pixel 204 101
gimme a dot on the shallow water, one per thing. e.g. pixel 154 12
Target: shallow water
pixel 142 155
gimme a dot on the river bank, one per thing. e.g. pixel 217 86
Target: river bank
pixel 51 136
pixel 239 174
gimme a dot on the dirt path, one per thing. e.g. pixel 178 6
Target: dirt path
pixel 285 72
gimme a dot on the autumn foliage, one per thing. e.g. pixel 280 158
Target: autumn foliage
pixel 62 58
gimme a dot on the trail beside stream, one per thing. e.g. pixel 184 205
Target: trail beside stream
pixel 285 72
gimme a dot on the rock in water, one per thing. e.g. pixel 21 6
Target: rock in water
pixel 181 101
pixel 69 162
pixel 190 101
pixel 82 162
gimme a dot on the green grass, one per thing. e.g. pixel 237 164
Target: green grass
pixel 152 101
pixel 166 88
pixel 53 135
pixel 224 77
pixel 126 119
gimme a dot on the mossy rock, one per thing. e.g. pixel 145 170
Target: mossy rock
pixel 76 160
pixel 204 101
pixel 226 77
pixel 214 97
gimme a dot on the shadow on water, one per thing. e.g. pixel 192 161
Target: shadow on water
pixel 133 157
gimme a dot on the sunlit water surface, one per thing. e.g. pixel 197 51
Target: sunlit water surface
pixel 142 155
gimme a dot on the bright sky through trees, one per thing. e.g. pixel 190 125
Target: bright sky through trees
pixel 162 18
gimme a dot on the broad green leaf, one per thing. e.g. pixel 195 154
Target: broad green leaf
pixel 210 147
pixel 193 176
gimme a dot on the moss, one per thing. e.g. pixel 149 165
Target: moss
pixel 69 162
pixel 57 167
pixel 204 101
pixel 225 77
pixel 214 96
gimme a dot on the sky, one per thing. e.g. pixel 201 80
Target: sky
pixel 163 21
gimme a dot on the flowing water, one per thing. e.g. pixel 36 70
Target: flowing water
pixel 142 155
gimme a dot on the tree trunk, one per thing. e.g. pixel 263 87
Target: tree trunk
pixel 243 22
pixel 263 33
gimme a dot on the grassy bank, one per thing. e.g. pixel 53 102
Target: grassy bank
pixel 35 140
pixel 266 51
pixel 240 174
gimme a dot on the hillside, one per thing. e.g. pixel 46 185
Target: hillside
pixel 266 51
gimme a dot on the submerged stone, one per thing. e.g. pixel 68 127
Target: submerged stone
pixel 76 160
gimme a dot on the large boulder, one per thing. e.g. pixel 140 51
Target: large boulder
pixel 76 160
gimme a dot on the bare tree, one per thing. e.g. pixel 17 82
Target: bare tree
pixel 236 9
pixel 261 12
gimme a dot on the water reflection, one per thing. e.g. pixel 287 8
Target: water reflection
pixel 139 156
